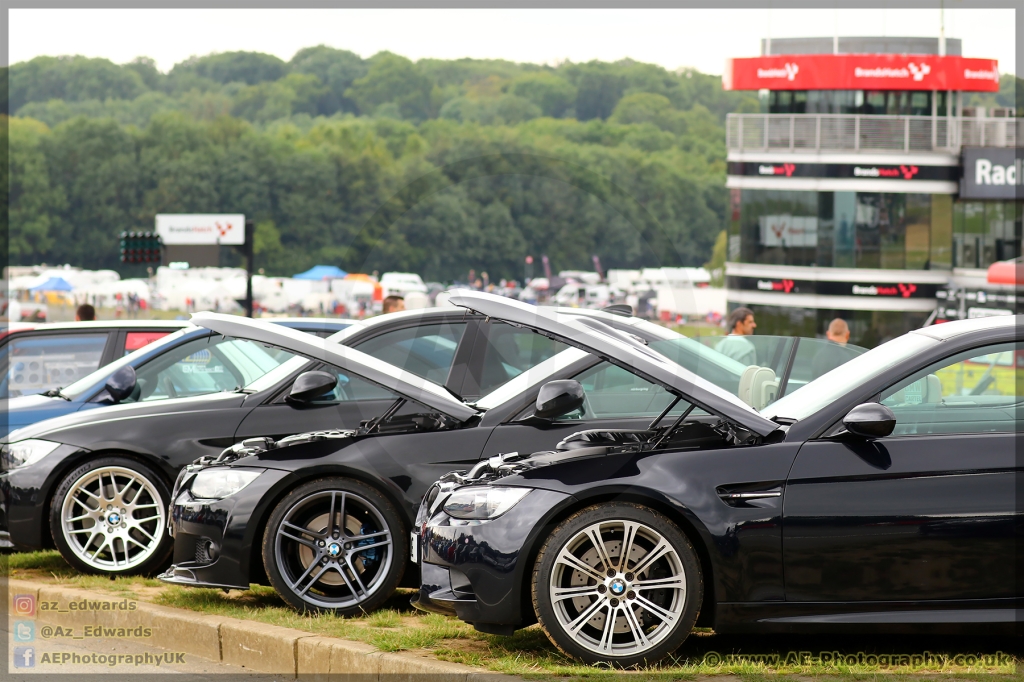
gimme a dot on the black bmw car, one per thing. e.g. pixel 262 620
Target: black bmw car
pixel 882 497
pixel 199 393
pixel 325 515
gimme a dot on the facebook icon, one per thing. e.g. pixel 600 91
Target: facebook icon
pixel 24 657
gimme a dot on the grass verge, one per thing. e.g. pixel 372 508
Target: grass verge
pixel 398 627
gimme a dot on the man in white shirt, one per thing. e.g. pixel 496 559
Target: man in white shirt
pixel 741 323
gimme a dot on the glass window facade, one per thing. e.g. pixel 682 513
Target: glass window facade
pixel 868 328
pixel 985 232
pixel 841 229
pixel 871 102
pixel 871 230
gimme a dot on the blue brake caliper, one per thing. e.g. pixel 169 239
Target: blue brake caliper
pixel 370 556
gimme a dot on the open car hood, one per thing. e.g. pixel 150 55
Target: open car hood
pixel 618 348
pixel 350 360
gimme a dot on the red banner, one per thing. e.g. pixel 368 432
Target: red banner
pixel 861 72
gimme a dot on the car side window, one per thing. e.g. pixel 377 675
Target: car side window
pixel 427 351
pixel 614 392
pixel 509 351
pixel 205 365
pixel 978 391
pixel 40 362
pixel 815 357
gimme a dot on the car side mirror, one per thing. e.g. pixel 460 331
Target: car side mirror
pixel 309 386
pixel 870 420
pixel 556 398
pixel 121 383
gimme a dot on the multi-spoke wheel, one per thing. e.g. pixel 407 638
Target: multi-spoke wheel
pixel 109 516
pixel 617 583
pixel 334 545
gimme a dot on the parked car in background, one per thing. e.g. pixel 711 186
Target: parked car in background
pixel 880 498
pixel 38 358
pixel 158 354
pixel 402 283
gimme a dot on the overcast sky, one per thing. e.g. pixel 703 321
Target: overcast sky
pixel 672 38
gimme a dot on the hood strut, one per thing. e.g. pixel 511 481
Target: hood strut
pixel 675 425
pixel 663 413
pixel 387 414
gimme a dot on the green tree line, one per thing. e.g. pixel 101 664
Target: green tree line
pixel 435 166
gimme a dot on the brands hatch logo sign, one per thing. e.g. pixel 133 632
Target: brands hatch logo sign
pixel 901 289
pixel 221 229
pixel 785 169
pixel 912 69
pixel 785 285
pixel 981 75
pixel 862 72
pixel 201 229
pixel 901 172
pixel 788 71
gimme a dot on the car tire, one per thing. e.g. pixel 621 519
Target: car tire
pixel 598 608
pixel 318 563
pixel 109 516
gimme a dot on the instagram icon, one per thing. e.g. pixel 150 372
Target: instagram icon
pixel 24 605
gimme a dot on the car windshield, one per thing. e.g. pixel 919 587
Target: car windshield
pixel 89 381
pixel 815 395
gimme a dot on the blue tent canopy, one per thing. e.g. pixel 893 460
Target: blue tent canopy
pixel 319 272
pixel 53 284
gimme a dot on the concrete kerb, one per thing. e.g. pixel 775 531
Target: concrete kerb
pixel 256 646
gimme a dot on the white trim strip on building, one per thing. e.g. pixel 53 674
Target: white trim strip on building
pixel 849 158
pixel 817 302
pixel 824 274
pixel 843 185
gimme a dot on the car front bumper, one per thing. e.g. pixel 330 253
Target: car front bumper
pixel 24 513
pixel 479 571
pixel 214 539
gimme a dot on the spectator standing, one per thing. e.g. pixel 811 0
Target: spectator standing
pixel 392 304
pixel 832 355
pixel 85 313
pixel 741 324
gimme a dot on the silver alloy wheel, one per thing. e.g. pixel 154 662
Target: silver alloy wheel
pixel 112 518
pixel 618 588
pixel 324 554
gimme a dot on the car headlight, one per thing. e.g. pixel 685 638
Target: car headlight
pixel 220 482
pixel 483 502
pixel 25 452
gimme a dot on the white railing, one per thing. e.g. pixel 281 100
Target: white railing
pixel 841 132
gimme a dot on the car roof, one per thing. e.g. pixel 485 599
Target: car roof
pixel 370 322
pixel 335 321
pixel 12 327
pixel 113 324
pixel 949 330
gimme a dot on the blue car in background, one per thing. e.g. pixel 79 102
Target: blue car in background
pixel 189 362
